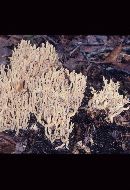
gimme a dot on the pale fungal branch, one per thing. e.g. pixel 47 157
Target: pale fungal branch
pixel 109 100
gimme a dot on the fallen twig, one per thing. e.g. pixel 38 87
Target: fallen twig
pixel 88 44
pixel 72 52
pixel 47 38
pixel 88 68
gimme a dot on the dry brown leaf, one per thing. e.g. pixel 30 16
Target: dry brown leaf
pixel 7 144
pixel 112 57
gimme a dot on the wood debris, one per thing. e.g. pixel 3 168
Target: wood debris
pixel 79 146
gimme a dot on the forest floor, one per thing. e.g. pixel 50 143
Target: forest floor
pixel 94 56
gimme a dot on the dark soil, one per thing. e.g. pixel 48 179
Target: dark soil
pixel 85 54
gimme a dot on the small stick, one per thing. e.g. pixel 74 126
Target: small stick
pixel 88 44
pixel 49 38
pixel 72 52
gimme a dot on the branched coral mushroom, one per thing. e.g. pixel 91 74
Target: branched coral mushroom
pixel 36 84
pixel 30 61
pixel 63 93
pixel 109 100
